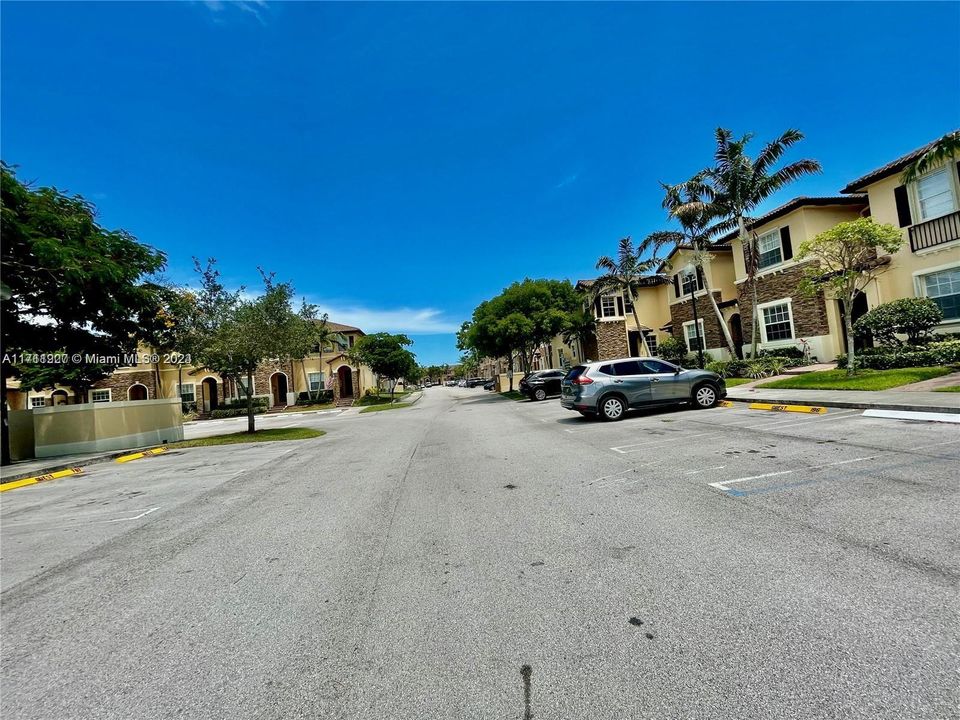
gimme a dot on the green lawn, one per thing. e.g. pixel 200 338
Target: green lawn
pixel 378 408
pixel 258 436
pixel 513 395
pixel 308 408
pixel 948 388
pixel 862 380
pixel 733 382
pixel 381 399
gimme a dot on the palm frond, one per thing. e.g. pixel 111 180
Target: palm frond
pixel 606 262
pixel 786 175
pixel 943 150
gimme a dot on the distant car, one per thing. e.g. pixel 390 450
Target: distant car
pixel 462 383
pixel 490 385
pixel 451 383
pixel 542 384
pixel 609 388
pixel 476 382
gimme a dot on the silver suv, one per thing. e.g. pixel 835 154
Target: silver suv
pixel 608 388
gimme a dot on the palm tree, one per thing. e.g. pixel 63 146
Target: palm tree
pixel 626 272
pixel 938 153
pixel 695 216
pixel 579 327
pixel 737 184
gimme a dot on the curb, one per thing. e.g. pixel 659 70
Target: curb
pixel 55 468
pixel 848 404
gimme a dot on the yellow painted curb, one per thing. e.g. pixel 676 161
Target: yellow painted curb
pixel 14 484
pixel 725 403
pixel 813 409
pixel 137 456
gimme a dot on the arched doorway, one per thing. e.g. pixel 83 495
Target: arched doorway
pixel 278 388
pixel 859 310
pixel 59 397
pixel 736 333
pixel 345 381
pixel 137 392
pixel 208 389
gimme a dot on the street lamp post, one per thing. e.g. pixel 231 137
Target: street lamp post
pixel 691 272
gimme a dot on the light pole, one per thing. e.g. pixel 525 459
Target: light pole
pixel 691 272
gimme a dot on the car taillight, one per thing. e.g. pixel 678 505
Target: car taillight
pixel 582 380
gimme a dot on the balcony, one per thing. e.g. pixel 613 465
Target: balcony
pixel 935 232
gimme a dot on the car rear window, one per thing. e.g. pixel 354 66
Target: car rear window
pixel 576 372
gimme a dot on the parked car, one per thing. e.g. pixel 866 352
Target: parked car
pixel 476 382
pixel 541 384
pixel 490 384
pixel 609 388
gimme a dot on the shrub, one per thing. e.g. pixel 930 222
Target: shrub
pixel 728 368
pixel 792 352
pixel 314 396
pixel 935 353
pixel 258 401
pixel 913 317
pixel 673 350
pixel 230 412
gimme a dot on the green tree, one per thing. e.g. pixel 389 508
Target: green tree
pixel 914 317
pixel 847 259
pixel 386 355
pixel 695 216
pixel 936 155
pixel 70 286
pixel 737 184
pixel 579 327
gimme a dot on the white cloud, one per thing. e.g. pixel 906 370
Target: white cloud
pixel 569 180
pixel 414 321
pixel 254 7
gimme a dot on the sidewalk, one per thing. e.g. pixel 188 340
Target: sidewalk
pixel 894 399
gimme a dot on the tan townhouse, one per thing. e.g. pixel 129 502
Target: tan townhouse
pixel 617 333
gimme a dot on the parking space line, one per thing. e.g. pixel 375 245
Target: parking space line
pixel 722 485
pixel 640 446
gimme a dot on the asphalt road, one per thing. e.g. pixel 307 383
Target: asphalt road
pixel 410 564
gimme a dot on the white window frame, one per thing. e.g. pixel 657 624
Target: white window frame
pixel 613 299
pixel 34 404
pixel 687 338
pixel 651 348
pixel 241 386
pixel 920 285
pixel 917 209
pixel 792 340
pixel 193 392
pixel 321 383
pixel 776 232
pixel 93 395
pixel 691 278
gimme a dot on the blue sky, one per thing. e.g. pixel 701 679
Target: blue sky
pixel 399 163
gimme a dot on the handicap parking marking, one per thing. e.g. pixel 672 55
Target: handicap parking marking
pixel 723 484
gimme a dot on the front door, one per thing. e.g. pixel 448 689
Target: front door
pixel 210 399
pixel 859 310
pixel 278 385
pixel 736 334
pixel 665 384
pixel 345 380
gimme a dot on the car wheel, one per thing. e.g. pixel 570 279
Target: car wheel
pixel 612 408
pixel 540 394
pixel 704 396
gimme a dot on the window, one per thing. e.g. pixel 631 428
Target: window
pixel 99 396
pixel 628 367
pixel 350 340
pixel 651 340
pixel 689 283
pixel 934 194
pixel 187 393
pixel 656 366
pixel 769 251
pixel 316 381
pixel 693 338
pixel 944 289
pixel 242 385
pixel 38 402
pixel 777 322
pixel 608 306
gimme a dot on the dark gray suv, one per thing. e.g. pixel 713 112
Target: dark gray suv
pixel 608 388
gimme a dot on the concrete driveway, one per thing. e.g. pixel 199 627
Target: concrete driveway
pixel 431 562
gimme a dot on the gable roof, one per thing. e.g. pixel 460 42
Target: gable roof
pixel 339 327
pixel 796 203
pixel 889 169
pixel 645 281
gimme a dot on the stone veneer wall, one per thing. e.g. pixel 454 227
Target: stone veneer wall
pixel 119 384
pixel 683 312
pixel 611 340
pixel 809 313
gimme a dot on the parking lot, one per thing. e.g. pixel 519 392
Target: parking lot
pixel 723 563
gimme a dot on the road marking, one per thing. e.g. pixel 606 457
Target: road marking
pixel 621 448
pixel 14 484
pixel 722 485
pixel 697 472
pixel 139 455
pixel 945 442
pixel 910 415
pixel 795 421
pixel 813 409
pixel 135 517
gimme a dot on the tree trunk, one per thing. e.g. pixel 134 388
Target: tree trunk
pixel 306 380
pixel 642 344
pixel 180 384
pixel 716 310
pixel 158 380
pixel 251 426
pixel 848 324
pixel 752 279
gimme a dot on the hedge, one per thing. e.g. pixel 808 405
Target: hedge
pixel 219 413
pixel 936 353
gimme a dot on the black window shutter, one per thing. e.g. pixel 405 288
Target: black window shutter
pixel 619 305
pixel 676 284
pixel 596 307
pixel 785 242
pixel 699 278
pixel 903 205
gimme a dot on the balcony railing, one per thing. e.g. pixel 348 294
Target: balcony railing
pixel 935 232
